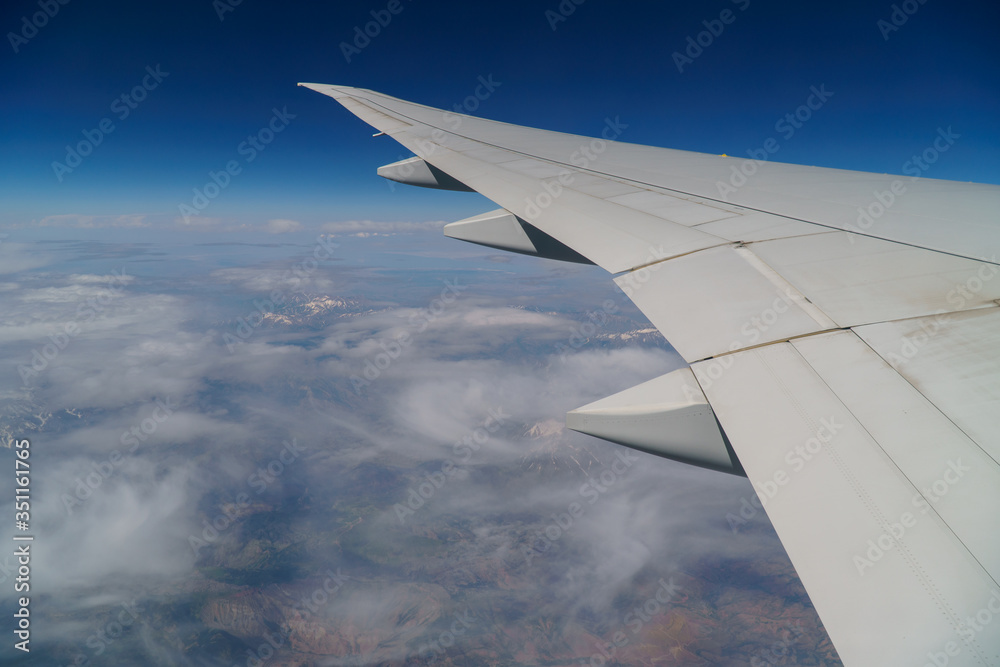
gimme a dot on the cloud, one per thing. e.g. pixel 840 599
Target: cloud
pixel 289 279
pixel 364 228
pixel 78 221
pixel 89 279
pixel 66 294
pixel 204 223
pixel 124 532
pixel 282 226
pixel 199 222
pixel 18 257
pixel 150 484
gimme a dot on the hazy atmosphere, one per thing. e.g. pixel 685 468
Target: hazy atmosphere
pixel 276 418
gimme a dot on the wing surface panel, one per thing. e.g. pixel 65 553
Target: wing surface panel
pixel 892 585
pixel 719 301
pixel 859 280
pixel 951 474
pixel 750 227
pixel 953 360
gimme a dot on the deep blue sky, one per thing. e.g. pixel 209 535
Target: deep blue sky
pixel 940 69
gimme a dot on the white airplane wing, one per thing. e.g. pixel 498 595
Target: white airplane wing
pixel 843 335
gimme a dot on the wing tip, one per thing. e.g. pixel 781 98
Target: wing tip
pixel 334 91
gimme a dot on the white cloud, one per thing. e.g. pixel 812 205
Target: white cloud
pixel 18 257
pixel 204 223
pixel 94 221
pixel 88 278
pixel 283 226
pixel 234 410
pixel 372 228
pixel 263 280
pixel 66 294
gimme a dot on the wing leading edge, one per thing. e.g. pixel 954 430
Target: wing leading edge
pixel 851 368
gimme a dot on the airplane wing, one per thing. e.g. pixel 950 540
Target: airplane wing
pixel 843 335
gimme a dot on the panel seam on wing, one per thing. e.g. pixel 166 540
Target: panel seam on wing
pixel 927 398
pixel 950 614
pixel 779 281
pixel 867 501
pixel 760 346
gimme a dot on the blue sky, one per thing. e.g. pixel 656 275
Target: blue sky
pixel 939 69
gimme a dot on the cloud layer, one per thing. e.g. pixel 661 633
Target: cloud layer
pixel 196 440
